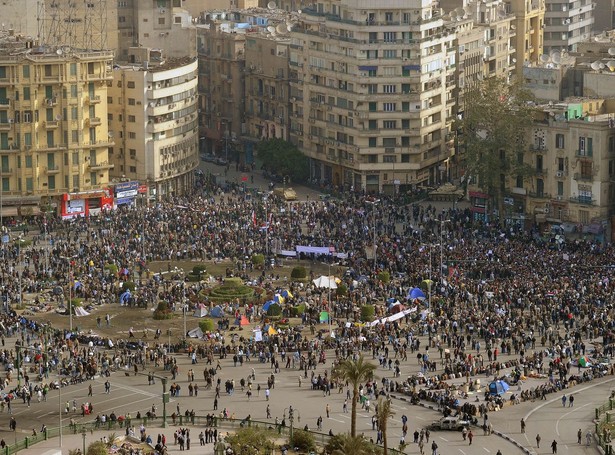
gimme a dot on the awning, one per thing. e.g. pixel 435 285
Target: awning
pixel 594 228
pixel 412 67
pixel 29 210
pixel 477 209
pixel 9 211
pixel 368 68
pixel 479 194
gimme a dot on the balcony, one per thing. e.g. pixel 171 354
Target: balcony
pixel 50 125
pixel 587 154
pixel 93 121
pixel 583 177
pixel 6 171
pixel 4 102
pixel 538 148
pixel 5 125
pixel 50 102
pixel 99 166
pixel 541 172
pixel 93 99
pixel 53 169
pixel 584 200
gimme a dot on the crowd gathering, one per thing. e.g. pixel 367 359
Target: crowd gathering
pixel 499 302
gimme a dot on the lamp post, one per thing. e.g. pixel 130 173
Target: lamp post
pixel 60 406
pixel 373 203
pixel 184 308
pixel 70 289
pixel 83 435
pixel 441 250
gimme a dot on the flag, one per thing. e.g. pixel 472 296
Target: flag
pixel 253 218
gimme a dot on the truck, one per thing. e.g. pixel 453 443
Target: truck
pixel 449 423
pixel 288 194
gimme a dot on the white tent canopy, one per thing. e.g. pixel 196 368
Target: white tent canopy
pixel 327 282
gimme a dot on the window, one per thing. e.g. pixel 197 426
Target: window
pixel 585 146
pixel 132 135
pixel 389 107
pixel 132 118
pixel 29 161
pixel 74 113
pixel 161 21
pixel 390 37
pixel 131 84
pixel 74 136
pixel 26 71
pixel 389 88
pixel 372 141
pixel 405 106
pixel 131 101
pixel 73 91
pixel 388 142
pixel 373 125
pixel 560 164
pixel 26 93
pixel 51 182
pixel 560 188
pixel 611 144
pixel 372 89
pixel 93 179
pixel 373 106
pixel 389 124
pixel 389 159
pixel 559 141
pixel 519 183
pixel 390 53
pixel 133 168
pixel 388 17
pixel 372 159
pixel 29 184
pixel 73 69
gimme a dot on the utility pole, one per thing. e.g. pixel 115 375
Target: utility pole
pixel 165 395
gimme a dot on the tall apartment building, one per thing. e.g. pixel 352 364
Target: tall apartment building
pixel 153 118
pixel 266 87
pixel 221 50
pixel 572 150
pixel 14 17
pixel 155 24
pixel 372 93
pixel 529 22
pixel 604 15
pixel 53 132
pixel 567 24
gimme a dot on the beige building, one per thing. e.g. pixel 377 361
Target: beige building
pixel 196 7
pixel 604 15
pixel 373 89
pixel 529 22
pixel 14 17
pixel 567 24
pixel 153 118
pixel 572 151
pixel 267 87
pixel 53 132
pixel 221 51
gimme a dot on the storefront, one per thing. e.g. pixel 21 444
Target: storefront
pixel 479 205
pixel 126 193
pixel 86 203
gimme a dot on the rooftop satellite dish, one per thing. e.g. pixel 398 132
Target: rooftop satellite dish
pixel 595 66
pixel 514 60
pixel 271 5
pixel 289 27
pixel 501 13
pixel 58 117
pixel 513 27
pixel 544 58
pixel 59 51
pixel 611 65
pixel 453 15
pixel 299 11
pixel 556 57
pixel 271 29
pixel 602 65
pixel 281 29
pixel 611 50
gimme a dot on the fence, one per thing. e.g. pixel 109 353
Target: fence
pixel 608 419
pixel 157 422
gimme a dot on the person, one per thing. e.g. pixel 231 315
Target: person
pixel 267 393
pixel 499 452
pixel 464 433
pixel 434 448
pixel 522 425
pixel 579 436
pixel 571 401
pixel 328 410
pixel 564 400
pixel 470 437
pixel 538 441
pixel 421 446
pixel 554 446
pixel 588 437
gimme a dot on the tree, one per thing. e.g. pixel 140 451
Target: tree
pixel 496 116
pixel 97 448
pixel 345 444
pixel 383 414
pixel 251 441
pixel 284 158
pixel 355 372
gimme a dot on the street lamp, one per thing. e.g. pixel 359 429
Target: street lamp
pixel 70 288
pixel 373 203
pixel 83 435
pixel 329 287
pixel 441 251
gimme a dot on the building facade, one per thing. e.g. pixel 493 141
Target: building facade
pixel 529 22
pixel 567 24
pixel 53 132
pixel 372 93
pixel 153 117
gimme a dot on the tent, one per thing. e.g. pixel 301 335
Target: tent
pixel 324 316
pixel 286 294
pixel 426 284
pixel 272 331
pixel 243 321
pixel 498 387
pixel 278 298
pixel 196 333
pixel 267 305
pixel 125 297
pixel 200 311
pixel 396 308
pixel 80 312
pixel 325 282
pixel 217 312
pixel 415 293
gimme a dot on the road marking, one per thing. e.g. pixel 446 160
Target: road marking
pixel 487 450
pixel 564 415
pixel 335 420
pixel 462 452
pixel 138 391
pixel 419 418
pixel 344 416
pixel 445 440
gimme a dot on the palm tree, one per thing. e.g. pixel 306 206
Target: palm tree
pixel 355 372
pixel 344 444
pixel 383 413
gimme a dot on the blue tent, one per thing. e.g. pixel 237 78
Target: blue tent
pixel 125 297
pixel 267 305
pixel 498 387
pixel 217 312
pixel 415 293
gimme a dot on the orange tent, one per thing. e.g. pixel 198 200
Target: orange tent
pixel 243 321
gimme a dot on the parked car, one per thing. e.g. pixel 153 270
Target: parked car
pixel 221 161
pixel 449 423
pixel 208 157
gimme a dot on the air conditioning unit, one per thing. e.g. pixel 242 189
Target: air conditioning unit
pixel 559 174
pixel 11 120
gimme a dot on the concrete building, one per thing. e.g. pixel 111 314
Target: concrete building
pixel 372 93
pixel 153 118
pixel 529 22
pixel 53 134
pixel 196 7
pixel 14 17
pixel 604 15
pixel 266 88
pixel 572 150
pixel 221 49
pixel 162 24
pixel 567 24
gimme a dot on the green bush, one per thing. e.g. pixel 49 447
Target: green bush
pixel 97 448
pixel 297 310
pixel 341 290
pixel 232 282
pixel 384 276
pixel 303 440
pixel 258 260
pixel 199 268
pixel 367 313
pixel 298 273
pixel 274 310
pixel 128 285
pixel 162 312
pixel 207 325
pixel 193 278
pixel 111 268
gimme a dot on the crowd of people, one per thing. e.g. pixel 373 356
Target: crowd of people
pixel 490 291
